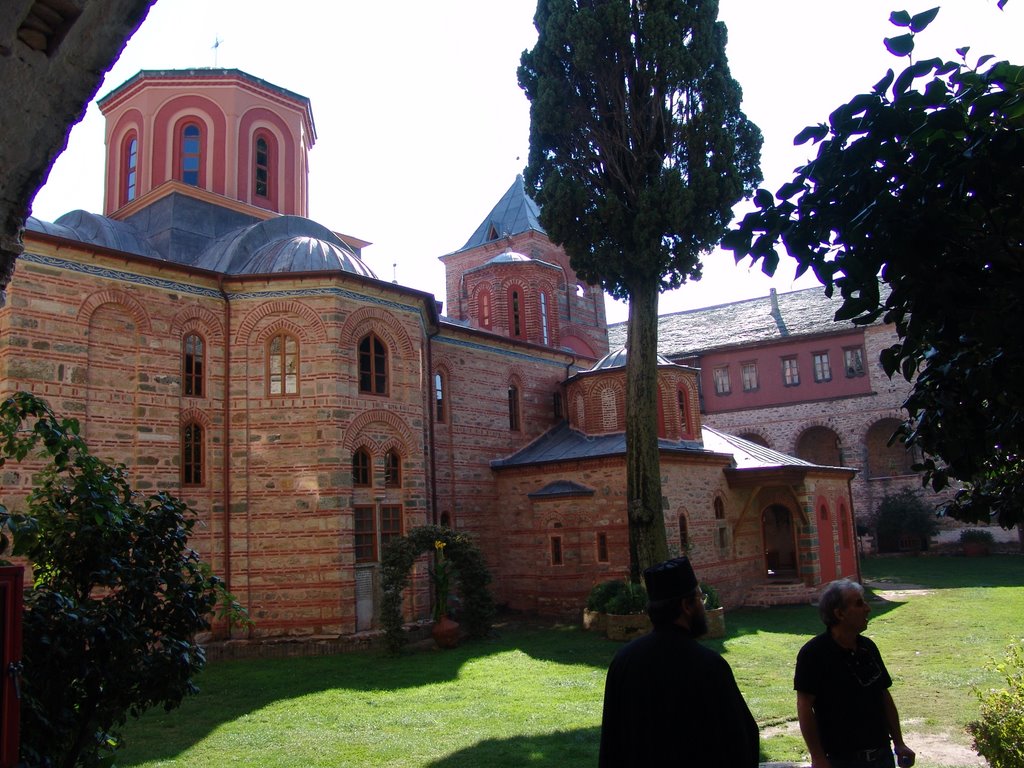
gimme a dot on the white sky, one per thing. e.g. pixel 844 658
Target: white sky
pixel 422 126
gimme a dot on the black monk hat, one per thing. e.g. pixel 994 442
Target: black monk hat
pixel 670 580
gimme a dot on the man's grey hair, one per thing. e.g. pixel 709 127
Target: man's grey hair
pixel 832 598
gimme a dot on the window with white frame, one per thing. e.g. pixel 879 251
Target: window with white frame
pixel 822 368
pixel 790 372
pixel 748 373
pixel 722 384
pixel 853 361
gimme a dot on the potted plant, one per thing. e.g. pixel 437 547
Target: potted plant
pixel 596 610
pixel 976 542
pixel 445 631
pixel 714 610
pixel 627 613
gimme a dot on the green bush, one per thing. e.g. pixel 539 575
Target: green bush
pixel 976 536
pixel 904 514
pixel 602 593
pixel 631 599
pixel 999 732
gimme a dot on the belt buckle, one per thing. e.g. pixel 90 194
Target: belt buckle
pixel 870 755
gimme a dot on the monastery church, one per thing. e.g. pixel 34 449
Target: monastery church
pixel 231 351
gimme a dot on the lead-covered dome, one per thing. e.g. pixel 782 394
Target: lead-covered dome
pixel 282 244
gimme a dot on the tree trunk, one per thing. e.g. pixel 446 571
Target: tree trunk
pixel 647 542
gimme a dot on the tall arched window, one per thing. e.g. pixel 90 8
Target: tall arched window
pixel 283 365
pixel 373 365
pixel 684 533
pixel 194 365
pixel 191 154
pixel 192 454
pixel 439 409
pixel 261 168
pixel 361 474
pixel 721 527
pixel 684 414
pixel 515 313
pixel 545 336
pixel 513 408
pixel 392 469
pixel 131 170
pixel 484 308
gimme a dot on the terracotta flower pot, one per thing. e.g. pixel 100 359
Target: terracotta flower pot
pixel 595 621
pixel 626 626
pixel 445 632
pixel 716 622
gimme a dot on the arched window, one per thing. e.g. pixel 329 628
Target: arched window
pixel 544 334
pixel 192 454
pixel 282 365
pixel 361 474
pixel 721 528
pixel 719 506
pixel 684 533
pixel 439 409
pixel 513 408
pixel 392 469
pixel 261 168
pixel 885 458
pixel 130 169
pixel 515 314
pixel 602 547
pixel 191 154
pixel 373 365
pixel 194 365
pixel 820 445
pixel 484 308
pixel 684 414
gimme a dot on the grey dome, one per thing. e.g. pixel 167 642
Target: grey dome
pixel 617 359
pixel 509 257
pixel 98 230
pixel 282 244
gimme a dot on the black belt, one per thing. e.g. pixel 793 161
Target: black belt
pixel 862 755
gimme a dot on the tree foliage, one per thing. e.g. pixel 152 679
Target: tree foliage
pixel 638 152
pixel 116 598
pixel 920 183
pixel 901 514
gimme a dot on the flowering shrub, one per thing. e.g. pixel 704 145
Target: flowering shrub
pixel 999 732
pixel 462 559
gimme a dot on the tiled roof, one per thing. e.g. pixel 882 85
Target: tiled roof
pixel 514 213
pixel 562 488
pixel 799 313
pixel 747 454
pixel 563 443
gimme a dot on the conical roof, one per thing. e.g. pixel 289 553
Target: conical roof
pixel 514 213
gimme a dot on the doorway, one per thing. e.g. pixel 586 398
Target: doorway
pixel 779 542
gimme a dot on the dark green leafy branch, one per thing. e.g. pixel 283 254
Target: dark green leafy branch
pixel 913 210
pixel 116 595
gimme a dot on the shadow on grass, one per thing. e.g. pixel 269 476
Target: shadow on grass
pixel 560 748
pixel 231 690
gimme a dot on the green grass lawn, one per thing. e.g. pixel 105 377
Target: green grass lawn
pixel 531 696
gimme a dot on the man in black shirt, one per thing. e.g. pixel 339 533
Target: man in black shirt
pixel 668 700
pixel 847 715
